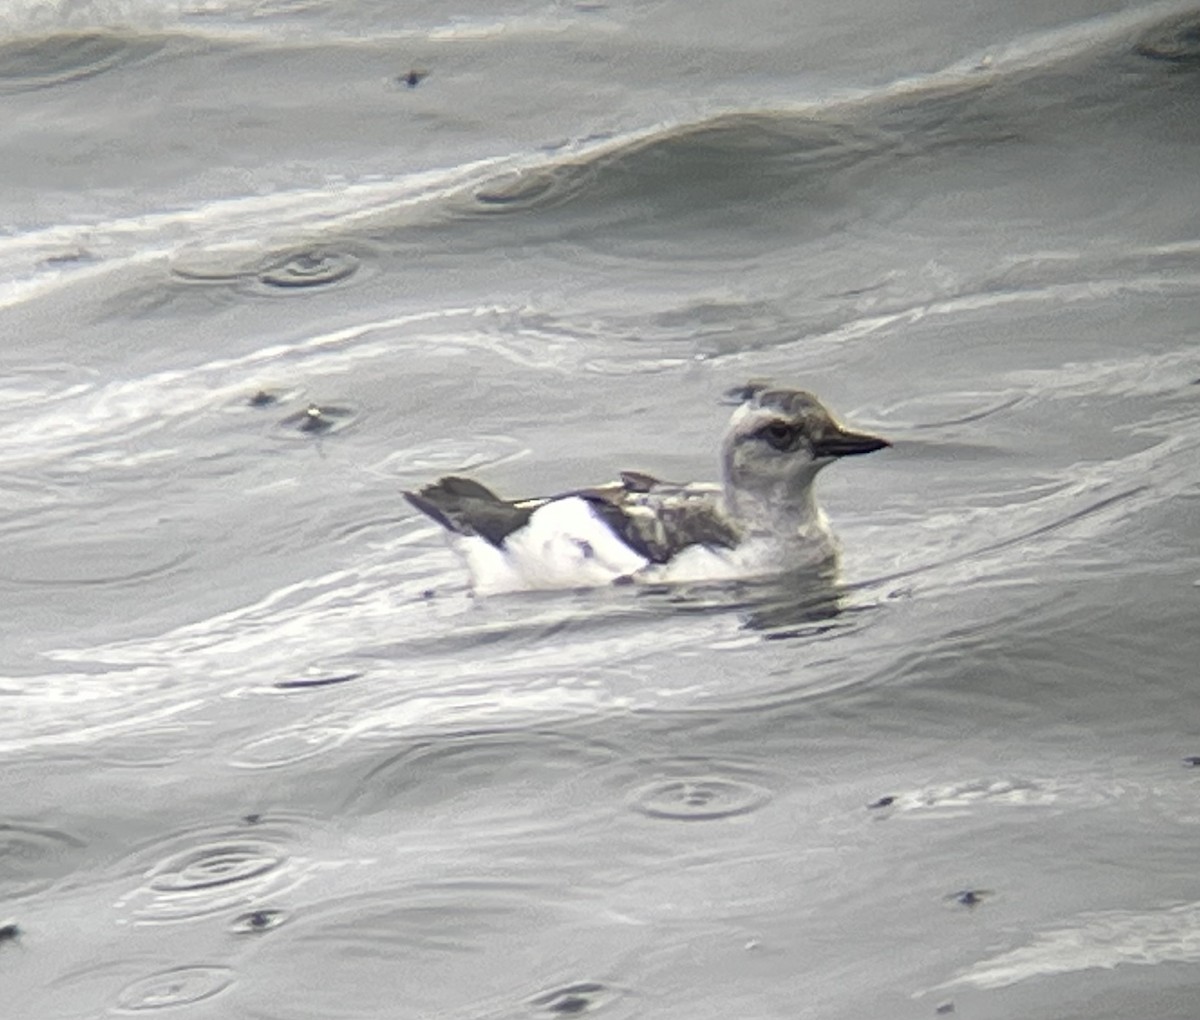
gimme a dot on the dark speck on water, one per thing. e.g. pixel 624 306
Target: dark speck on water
pixel 256 921
pixel 262 399
pixel 1177 40
pixel 882 802
pixel 317 681
pixel 413 78
pixel 1192 761
pixel 67 257
pixel 9 932
pixel 572 1000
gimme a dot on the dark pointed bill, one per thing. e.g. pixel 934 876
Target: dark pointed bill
pixel 844 443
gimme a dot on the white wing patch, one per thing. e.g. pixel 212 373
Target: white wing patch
pixel 564 545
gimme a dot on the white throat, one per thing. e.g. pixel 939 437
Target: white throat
pixel 782 512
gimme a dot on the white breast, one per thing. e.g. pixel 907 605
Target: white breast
pixel 753 558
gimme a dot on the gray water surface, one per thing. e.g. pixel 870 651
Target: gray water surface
pixel 263 754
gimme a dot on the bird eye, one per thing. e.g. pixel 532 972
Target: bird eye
pixel 780 435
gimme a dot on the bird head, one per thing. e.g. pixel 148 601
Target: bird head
pixel 778 439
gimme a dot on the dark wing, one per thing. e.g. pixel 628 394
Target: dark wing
pixel 468 508
pixel 654 518
pixel 660 519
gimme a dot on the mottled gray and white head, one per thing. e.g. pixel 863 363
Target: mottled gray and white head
pixel 777 441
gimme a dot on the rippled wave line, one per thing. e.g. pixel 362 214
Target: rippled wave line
pixel 1139 485
pixel 1141 375
pixel 346 599
pixel 1060 45
pixel 154 236
pixel 139 406
pixel 151 236
pixel 68 732
pixel 264 24
pixel 1082 291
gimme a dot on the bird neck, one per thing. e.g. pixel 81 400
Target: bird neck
pixel 780 511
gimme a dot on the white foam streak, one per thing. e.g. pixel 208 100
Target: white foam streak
pixel 1102 940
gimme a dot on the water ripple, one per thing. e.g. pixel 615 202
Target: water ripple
pixel 210 866
pixel 33 857
pixel 948 410
pixel 179 986
pixel 199 872
pixel 148 746
pixel 698 798
pixel 450 455
pixel 494 773
pixel 45 61
pixel 454 948
pixel 219 263
pixel 694 788
pixel 299 268
pixel 288 745
pixel 99 564
pixel 308 267
pixel 39 385
pixel 535 188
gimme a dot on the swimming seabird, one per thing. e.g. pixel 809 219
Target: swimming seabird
pixel 762 519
